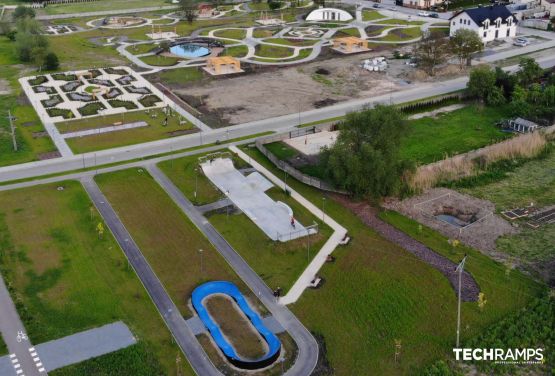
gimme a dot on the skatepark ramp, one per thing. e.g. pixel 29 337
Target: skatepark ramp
pixel 227 288
pixel 276 219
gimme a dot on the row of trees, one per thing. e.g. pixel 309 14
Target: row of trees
pixel 30 44
pixel 530 91
pixel 434 49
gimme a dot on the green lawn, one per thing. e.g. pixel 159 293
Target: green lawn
pixel 262 5
pixel 264 33
pixel 534 181
pixel 139 49
pixel 67 279
pixel 102 5
pixel 3 347
pixel 349 32
pixel 395 21
pixel 238 34
pixel 399 35
pixel 456 132
pixel 181 76
pixel 371 15
pixel 161 61
pixel 376 292
pixel 154 131
pixel 170 242
pixel 264 50
pixel 291 42
pixel 182 173
pixel 236 51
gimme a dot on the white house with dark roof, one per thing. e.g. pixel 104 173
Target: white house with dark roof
pixel 491 23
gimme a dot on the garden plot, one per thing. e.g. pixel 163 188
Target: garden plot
pixel 103 91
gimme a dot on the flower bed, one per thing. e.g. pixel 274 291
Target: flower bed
pixel 52 101
pixel 38 80
pixel 53 112
pixel 149 100
pixel 126 104
pixel 91 109
pixel 44 89
pixel 121 72
pixel 71 86
pixel 64 77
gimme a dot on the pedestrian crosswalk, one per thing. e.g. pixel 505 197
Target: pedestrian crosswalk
pixel 36 359
pixel 16 365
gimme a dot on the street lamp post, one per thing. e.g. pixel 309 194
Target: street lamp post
pixel 200 251
pixel 323 209
pixel 459 269
pixel 196 184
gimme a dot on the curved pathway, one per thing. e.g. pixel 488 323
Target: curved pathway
pixel 368 215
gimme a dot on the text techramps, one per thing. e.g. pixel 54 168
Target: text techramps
pixel 227 288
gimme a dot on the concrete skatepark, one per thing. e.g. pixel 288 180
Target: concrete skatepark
pixel 247 193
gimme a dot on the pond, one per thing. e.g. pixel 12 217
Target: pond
pixel 451 219
pixel 190 50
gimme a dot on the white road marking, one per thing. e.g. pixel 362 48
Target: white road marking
pixel 41 370
pixel 17 366
pixel 12 356
pixel 33 354
pixel 19 372
pixel 15 361
pixel 39 364
pixel 37 359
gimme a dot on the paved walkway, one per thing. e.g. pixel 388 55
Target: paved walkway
pixel 215 205
pixel 20 359
pixel 85 345
pixel 318 261
pixel 167 308
pixel 113 128
pixel 306 344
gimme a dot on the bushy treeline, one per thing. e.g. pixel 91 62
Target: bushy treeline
pixel 530 91
pixel 29 43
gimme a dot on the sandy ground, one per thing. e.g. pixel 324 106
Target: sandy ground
pixel 312 144
pixel 280 91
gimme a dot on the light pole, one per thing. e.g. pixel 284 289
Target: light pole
pixel 196 184
pixel 12 128
pixel 227 207
pixel 459 269
pixel 200 251
pixel 323 209
pixel 285 173
pixel 308 245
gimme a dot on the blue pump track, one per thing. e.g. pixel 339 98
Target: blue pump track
pixel 224 287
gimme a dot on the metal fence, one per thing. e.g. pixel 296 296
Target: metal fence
pixel 286 167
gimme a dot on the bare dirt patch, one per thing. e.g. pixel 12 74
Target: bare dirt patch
pixel 471 220
pixel 278 91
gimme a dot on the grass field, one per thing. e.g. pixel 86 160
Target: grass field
pixel 264 33
pixel 395 21
pixel 376 293
pixel 348 32
pixel 236 51
pixel 291 42
pixel 139 49
pixel 168 239
pixel 238 34
pixel 399 35
pixel 371 15
pixel 534 181
pixel 3 347
pixel 67 279
pixel 181 76
pixel 161 61
pixel 432 139
pixel 235 327
pixel 265 50
pixel 103 5
pixel 154 131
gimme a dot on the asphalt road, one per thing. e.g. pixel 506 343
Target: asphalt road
pixel 10 326
pixel 104 12
pixel 166 307
pixel 308 347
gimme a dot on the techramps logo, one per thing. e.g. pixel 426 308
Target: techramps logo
pixel 501 356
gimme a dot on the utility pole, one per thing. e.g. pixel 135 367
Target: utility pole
pixel 200 251
pixel 12 127
pixel 459 269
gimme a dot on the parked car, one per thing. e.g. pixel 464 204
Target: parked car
pixel 521 42
pixel 376 6
pixel 434 15
pixel 424 14
pixel 393 7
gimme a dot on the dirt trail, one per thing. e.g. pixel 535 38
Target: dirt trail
pixel 368 215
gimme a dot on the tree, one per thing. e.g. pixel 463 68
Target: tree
pixel 188 9
pixel 482 86
pixel 28 38
pixel 23 12
pixel 38 55
pixel 365 158
pixel 274 4
pixel 529 71
pixel 464 44
pixel 51 61
pixel 431 51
